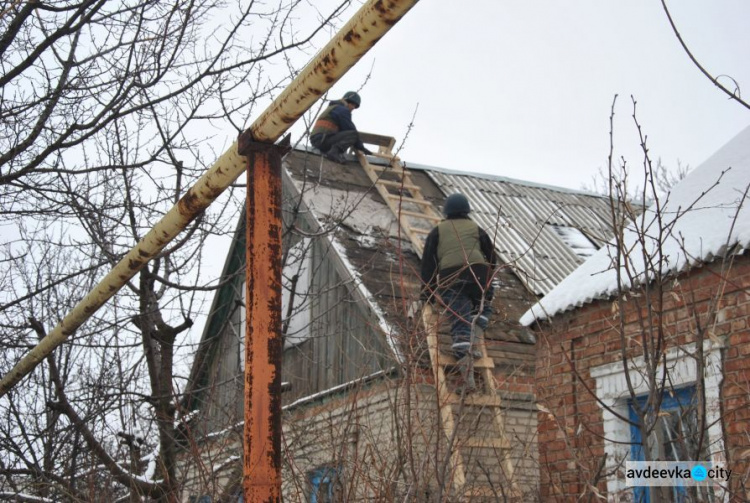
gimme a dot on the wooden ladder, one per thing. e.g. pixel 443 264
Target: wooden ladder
pixel 454 402
pixel 414 213
pixel 417 217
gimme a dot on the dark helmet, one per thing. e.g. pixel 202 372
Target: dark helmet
pixel 456 205
pixel 353 98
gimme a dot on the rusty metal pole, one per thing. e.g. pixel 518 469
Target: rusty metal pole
pixel 263 345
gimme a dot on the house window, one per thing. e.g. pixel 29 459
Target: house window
pixel 240 329
pixel 616 402
pixel 323 483
pixel 199 499
pixel 295 293
pixel 675 437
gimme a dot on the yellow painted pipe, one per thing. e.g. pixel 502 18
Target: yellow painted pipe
pixel 364 29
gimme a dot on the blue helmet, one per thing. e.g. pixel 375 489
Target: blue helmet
pixel 455 205
pixel 353 98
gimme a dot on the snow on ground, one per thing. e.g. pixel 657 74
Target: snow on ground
pixel 705 214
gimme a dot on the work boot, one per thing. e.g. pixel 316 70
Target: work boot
pixel 335 157
pixel 462 349
pixel 481 321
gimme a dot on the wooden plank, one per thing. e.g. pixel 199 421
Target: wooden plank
pixel 446 412
pixel 385 155
pixel 414 214
pixel 376 139
pixel 398 184
pixel 388 169
pixel 479 363
pixel 421 202
pixel 421 231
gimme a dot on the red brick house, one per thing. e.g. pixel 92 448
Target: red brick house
pixel 669 302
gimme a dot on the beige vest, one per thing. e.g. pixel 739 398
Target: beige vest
pixel 458 244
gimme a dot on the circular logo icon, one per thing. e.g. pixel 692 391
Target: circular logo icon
pixel 698 473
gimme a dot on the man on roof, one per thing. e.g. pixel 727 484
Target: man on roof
pixel 458 263
pixel 334 132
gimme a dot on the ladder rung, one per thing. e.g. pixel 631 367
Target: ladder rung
pixel 391 169
pixel 485 443
pixel 387 157
pixel 415 214
pixel 476 399
pixel 396 183
pixel 479 363
pixel 377 139
pixel 482 492
pixel 410 199
pixel 420 231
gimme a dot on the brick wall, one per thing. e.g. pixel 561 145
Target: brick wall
pixel 571 421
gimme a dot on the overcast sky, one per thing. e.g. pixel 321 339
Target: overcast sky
pixel 523 88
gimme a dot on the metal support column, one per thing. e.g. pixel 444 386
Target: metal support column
pixel 263 344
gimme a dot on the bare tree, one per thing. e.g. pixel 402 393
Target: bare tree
pixel 733 91
pixel 659 323
pixel 108 113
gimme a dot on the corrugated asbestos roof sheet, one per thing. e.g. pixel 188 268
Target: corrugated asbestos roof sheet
pixel 520 218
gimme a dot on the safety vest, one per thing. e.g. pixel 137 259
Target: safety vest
pixel 458 244
pixel 325 124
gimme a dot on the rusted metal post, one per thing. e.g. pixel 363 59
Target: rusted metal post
pixel 263 345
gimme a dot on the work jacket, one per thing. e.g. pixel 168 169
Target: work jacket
pixel 335 118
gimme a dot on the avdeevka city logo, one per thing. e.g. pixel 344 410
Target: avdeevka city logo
pixel 699 473
pixel 674 473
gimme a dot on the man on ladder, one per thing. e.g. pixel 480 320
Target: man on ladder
pixel 457 267
pixel 334 132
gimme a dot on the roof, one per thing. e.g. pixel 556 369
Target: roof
pixel 525 222
pixel 541 233
pixel 704 216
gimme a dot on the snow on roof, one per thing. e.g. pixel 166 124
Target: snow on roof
pixel 705 214
pixel 353 209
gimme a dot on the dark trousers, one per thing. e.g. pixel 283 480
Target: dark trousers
pixel 334 142
pixel 461 309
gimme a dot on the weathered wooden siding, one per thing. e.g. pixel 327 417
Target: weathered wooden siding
pixel 344 345
pixel 223 398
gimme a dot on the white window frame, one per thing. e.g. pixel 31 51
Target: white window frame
pixel 300 263
pixel 242 326
pixel 612 392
